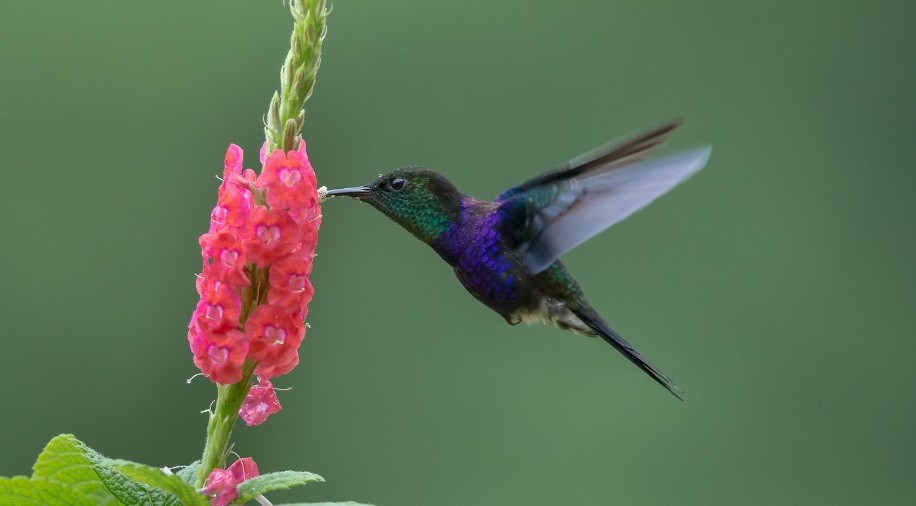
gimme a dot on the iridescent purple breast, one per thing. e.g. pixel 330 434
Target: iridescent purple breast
pixel 474 247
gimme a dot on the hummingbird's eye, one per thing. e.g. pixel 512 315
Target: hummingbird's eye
pixel 397 184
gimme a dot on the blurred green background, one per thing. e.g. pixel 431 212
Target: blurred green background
pixel 777 286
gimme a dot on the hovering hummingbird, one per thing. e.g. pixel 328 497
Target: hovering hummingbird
pixel 506 251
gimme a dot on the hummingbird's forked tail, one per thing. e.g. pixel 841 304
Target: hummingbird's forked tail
pixel 591 318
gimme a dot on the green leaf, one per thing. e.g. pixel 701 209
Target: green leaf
pixel 41 492
pixel 170 483
pixel 280 480
pixel 69 462
pixel 66 460
pixel 189 473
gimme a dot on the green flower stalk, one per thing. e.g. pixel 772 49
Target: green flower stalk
pixel 297 77
pixel 229 399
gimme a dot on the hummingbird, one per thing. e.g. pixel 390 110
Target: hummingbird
pixel 506 251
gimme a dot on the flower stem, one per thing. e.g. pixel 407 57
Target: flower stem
pixel 297 77
pixel 228 400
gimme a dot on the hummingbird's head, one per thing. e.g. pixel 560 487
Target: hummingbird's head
pixel 422 201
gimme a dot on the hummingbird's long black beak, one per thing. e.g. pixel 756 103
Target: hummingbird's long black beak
pixel 353 191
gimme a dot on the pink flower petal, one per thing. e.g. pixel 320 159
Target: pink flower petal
pixel 260 403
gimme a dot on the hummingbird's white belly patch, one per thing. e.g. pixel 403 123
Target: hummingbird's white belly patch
pixel 553 312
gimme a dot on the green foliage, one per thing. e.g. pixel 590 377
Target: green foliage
pixel 280 480
pixel 39 491
pixel 168 483
pixel 69 472
pixel 189 472
pixel 67 461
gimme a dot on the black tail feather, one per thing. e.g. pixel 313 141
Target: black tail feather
pixel 613 338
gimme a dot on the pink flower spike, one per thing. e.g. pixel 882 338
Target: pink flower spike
pixel 222 484
pixel 260 403
pixel 265 226
pixel 218 355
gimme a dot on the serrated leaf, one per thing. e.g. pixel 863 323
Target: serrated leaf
pixel 40 492
pixel 69 462
pixel 130 491
pixel 279 480
pixel 170 483
pixel 66 460
pixel 189 473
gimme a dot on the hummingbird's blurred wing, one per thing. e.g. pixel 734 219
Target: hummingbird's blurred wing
pixel 552 214
pixel 601 159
